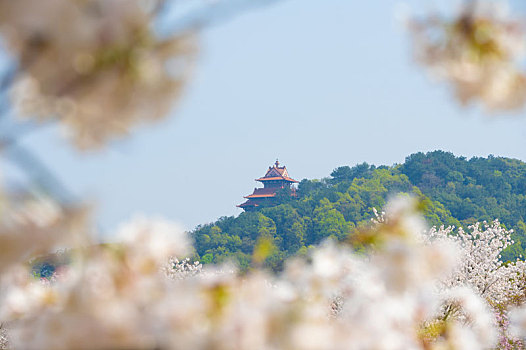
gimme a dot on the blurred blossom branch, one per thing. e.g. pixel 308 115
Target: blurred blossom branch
pixel 479 51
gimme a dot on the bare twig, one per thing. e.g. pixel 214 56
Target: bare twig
pixel 213 14
pixel 8 77
pixel 21 129
pixel 31 165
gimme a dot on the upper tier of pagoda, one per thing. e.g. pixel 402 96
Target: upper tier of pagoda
pixel 276 178
pixel 276 173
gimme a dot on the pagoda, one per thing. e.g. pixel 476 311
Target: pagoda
pixel 275 179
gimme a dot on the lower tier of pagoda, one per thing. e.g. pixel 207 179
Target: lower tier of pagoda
pixel 262 197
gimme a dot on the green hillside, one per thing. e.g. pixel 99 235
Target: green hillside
pixel 454 190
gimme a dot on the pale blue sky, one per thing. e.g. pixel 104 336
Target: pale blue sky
pixel 317 84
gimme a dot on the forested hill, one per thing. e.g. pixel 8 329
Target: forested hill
pixel 456 191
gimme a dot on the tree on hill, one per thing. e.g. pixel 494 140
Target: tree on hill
pixel 453 191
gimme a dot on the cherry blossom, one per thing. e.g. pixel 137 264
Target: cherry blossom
pixel 100 72
pixel 478 51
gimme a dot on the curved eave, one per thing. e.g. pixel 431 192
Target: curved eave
pixel 260 196
pixel 288 179
pixel 246 204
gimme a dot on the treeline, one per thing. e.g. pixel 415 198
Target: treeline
pixel 453 191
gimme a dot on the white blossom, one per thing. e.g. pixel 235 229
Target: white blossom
pixel 4 342
pixel 176 269
pixel 478 51
pixel 97 66
pixel 131 295
pixel 480 266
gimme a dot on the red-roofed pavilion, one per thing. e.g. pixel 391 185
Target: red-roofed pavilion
pixel 275 179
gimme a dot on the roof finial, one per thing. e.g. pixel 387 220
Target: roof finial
pixel 277 163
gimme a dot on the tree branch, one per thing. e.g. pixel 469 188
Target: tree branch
pixel 213 14
pixel 29 163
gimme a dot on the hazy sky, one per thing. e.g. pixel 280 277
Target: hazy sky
pixel 317 84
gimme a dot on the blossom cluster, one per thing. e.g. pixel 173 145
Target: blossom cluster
pixel 479 51
pixel 507 339
pixel 180 269
pixel 393 295
pixel 480 266
pixel 96 66
pixel 3 339
pixel 501 285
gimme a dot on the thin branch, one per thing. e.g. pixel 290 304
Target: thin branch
pixel 21 129
pixel 28 162
pixel 8 77
pixel 212 14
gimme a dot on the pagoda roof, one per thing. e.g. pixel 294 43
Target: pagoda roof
pixel 277 178
pixel 276 173
pixel 248 203
pixel 263 193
